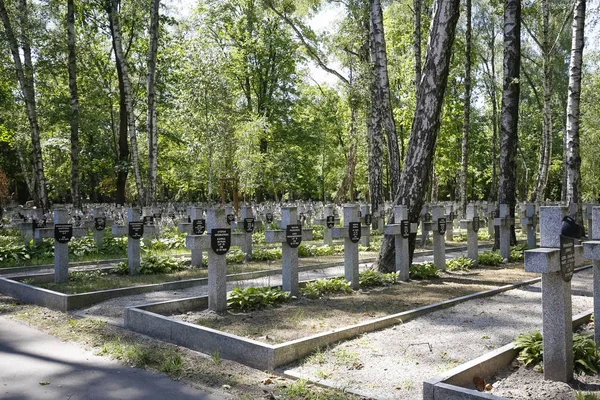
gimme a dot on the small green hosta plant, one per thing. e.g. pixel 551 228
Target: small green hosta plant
pixel 516 252
pixel 483 235
pixel 152 264
pixel 234 257
pixel 425 270
pixel 372 278
pixel 491 258
pixel 530 346
pixel 459 264
pixel 14 252
pixel 320 287
pixel 266 254
pixel 251 298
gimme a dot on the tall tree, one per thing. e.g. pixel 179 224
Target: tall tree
pixel 24 71
pixel 417 41
pixel 74 116
pixel 418 162
pixel 510 103
pixel 151 90
pixel 573 101
pixel 125 89
pixel 466 113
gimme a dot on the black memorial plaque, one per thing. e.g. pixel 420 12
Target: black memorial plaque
pixel 293 235
pixel 38 223
pixel 136 230
pixel 198 226
pixel 100 223
pixel 441 226
pixel 405 228
pixel 220 240
pixel 230 218
pixel 269 218
pixel 354 231
pixel 63 232
pixel 157 216
pixel 368 219
pixel 330 220
pixel 475 224
pixel 248 225
pixel 567 258
pixel 149 220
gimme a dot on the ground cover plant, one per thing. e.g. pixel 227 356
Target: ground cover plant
pixel 490 257
pixel 459 264
pixel 426 270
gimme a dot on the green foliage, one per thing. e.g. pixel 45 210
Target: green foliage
pixel 516 252
pixel 321 287
pixel 251 298
pixel 530 346
pixel 85 277
pixel 152 264
pixel 83 246
pixel 585 356
pixel 492 258
pixel 14 252
pixel 122 268
pixel 459 264
pixel 319 251
pixel 258 238
pixel 461 237
pixel 233 257
pixel 318 232
pixel 483 235
pixel 170 240
pixel 426 270
pixel 266 254
pixel 371 278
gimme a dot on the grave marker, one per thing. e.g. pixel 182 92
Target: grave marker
pixel 438 227
pixel 401 230
pixel 592 252
pixel 135 231
pixel 471 224
pixel 504 222
pixel 328 221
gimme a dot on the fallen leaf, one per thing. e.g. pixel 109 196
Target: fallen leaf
pixel 267 381
pixel 44 383
pixel 479 383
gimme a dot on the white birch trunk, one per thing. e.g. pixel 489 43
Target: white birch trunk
pixel 74 117
pixel 466 115
pixel 151 117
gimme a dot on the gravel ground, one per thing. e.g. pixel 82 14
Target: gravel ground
pixel 394 362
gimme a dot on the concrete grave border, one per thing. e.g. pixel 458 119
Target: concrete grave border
pixel 454 384
pixel 152 320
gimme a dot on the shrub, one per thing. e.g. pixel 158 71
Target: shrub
pixel 114 245
pixel 426 270
pixel 459 264
pixel 492 258
pixel 318 251
pixel 122 268
pixel 371 278
pixel 320 287
pixel 516 252
pixel 14 252
pixel 461 237
pixel 266 254
pixel 530 348
pixel 83 246
pixel 233 257
pixel 152 264
pixel 258 238
pixel 255 298
pixel 483 235
pixel 318 232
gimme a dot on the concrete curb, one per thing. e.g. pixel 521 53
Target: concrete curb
pixel 150 319
pixel 454 384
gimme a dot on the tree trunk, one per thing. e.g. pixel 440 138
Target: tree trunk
pixel 151 117
pixel 74 117
pixel 572 149
pixel 24 71
pixel 375 155
pixel 417 42
pixel 466 115
pixel 382 84
pixel 426 122
pixel 546 149
pixel 510 103
pixel 347 185
pixel 112 10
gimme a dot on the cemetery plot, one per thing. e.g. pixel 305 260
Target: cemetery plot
pixel 305 317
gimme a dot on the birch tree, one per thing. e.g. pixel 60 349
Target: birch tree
pixel 24 71
pixel 466 114
pixel 418 162
pixel 572 150
pixel 74 116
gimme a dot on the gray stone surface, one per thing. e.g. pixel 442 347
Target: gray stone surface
pixel 550 224
pixel 439 244
pixel 217 264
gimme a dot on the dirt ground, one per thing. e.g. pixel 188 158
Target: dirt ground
pixel 303 317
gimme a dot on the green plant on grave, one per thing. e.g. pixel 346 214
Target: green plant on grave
pixel 83 246
pixel 318 232
pixel 114 245
pixel 121 269
pixel 426 270
pixel 492 258
pixel 516 252
pixel 586 396
pixel 483 235
pixel 318 251
pixel 258 238
pixel 154 264
pixel 530 347
pixel 459 264
pixel 251 298
pixel 372 278
pixel 233 257
pixel 320 287
pixel 14 252
pixel 170 240
pixel 461 237
pixel 263 254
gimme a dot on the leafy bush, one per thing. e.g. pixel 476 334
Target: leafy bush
pixel 426 270
pixel 585 357
pixel 492 258
pixel 14 252
pixel 233 257
pixel 530 346
pixel 376 232
pixel 83 246
pixel 483 235
pixel 122 268
pixel 318 232
pixel 114 245
pixel 152 264
pixel 255 298
pixel 43 250
pixel 266 254
pixel 85 277
pixel 318 251
pixel 459 264
pixel 258 238
pixel 461 237
pixel 171 240
pixel 516 252
pixel 371 278
pixel 320 287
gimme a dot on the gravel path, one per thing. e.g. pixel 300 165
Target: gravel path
pixel 393 363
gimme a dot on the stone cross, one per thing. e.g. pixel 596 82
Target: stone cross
pixel 100 224
pixel 134 231
pixel 401 229
pixel 425 217
pixel 290 238
pixel 438 226
pixel 528 223
pixel 194 239
pixel 590 220
pixel 366 219
pixel 450 223
pixel 150 228
pixel 62 232
pixel 556 297
pixel 247 224
pixel 327 222
pixel 491 214
pixel 504 222
pixel 471 224
pixel 592 252
pixel 351 233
